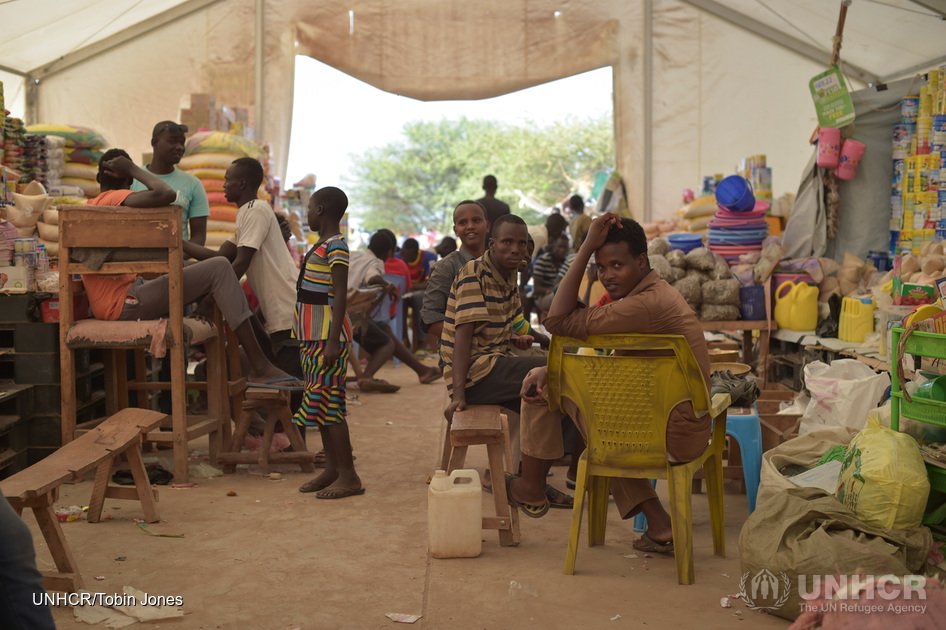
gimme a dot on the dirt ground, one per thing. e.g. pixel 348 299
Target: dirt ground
pixel 270 557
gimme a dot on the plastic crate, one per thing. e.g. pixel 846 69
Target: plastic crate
pixel 923 409
pixel 925 344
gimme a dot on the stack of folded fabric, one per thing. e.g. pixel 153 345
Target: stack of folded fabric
pixel 13 144
pixel 34 159
pixel 207 157
pixel 82 152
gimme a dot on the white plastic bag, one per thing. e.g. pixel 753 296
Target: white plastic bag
pixel 841 394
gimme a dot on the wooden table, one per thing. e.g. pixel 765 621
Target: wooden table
pixel 765 329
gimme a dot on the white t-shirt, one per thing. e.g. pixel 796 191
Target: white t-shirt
pixel 363 265
pixel 272 273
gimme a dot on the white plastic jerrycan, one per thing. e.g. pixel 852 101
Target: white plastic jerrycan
pixel 455 514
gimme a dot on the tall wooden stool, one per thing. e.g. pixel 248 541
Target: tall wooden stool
pixel 275 405
pixel 487 425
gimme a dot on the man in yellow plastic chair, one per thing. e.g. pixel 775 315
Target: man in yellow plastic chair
pixel 641 303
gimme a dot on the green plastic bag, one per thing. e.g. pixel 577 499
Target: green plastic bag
pixel 883 478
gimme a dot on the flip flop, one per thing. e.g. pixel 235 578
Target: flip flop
pixel 647 544
pixel 432 375
pixel 311 486
pixel 377 385
pixel 558 499
pixel 339 494
pixel 529 509
pixel 285 384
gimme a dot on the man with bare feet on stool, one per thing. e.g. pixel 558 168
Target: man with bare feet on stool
pixel 642 303
pixel 129 297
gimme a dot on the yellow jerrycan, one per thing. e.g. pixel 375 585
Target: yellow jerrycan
pixel 455 514
pixel 796 306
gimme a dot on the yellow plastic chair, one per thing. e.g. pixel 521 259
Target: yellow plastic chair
pixel 625 387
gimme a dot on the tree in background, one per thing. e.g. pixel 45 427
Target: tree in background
pixel 413 185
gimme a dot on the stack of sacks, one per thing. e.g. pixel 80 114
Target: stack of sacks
pixel 27 209
pixel 696 215
pixel 207 156
pixel 82 152
pixel 14 144
pixel 34 158
pixel 7 243
pixel 55 160
pixel 702 278
pixel 659 228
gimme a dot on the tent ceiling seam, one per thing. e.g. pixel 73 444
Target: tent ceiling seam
pixel 777 37
pixel 121 37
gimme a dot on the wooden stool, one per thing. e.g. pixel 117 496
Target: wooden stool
pixel 275 404
pixel 487 425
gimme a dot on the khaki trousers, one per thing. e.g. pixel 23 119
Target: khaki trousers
pixel 540 436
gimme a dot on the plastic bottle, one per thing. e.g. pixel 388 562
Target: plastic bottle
pixel 455 514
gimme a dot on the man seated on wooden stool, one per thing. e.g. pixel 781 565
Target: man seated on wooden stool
pixel 258 250
pixel 482 324
pixel 642 303
pixel 129 297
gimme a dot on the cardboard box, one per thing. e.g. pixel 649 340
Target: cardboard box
pixel 778 428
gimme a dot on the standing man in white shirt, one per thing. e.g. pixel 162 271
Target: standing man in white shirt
pixel 259 251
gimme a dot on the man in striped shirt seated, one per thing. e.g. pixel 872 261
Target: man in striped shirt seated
pixel 483 324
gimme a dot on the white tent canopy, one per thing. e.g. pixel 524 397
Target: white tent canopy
pixel 698 84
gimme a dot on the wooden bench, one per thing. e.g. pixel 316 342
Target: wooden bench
pixel 37 487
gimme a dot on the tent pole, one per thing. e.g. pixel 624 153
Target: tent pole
pixel 133 32
pixel 906 72
pixel 10 70
pixel 258 67
pixel 648 108
pixel 31 112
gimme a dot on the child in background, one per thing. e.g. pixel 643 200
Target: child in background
pixel 324 333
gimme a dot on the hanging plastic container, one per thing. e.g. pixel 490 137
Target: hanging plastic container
pixel 829 147
pixel 796 308
pixel 455 514
pixel 851 153
pixel 734 193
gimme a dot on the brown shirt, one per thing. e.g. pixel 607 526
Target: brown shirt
pixel 653 307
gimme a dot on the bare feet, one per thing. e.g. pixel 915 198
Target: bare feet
pixel 429 376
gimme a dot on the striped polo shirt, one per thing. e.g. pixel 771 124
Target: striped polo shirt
pixel 482 297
